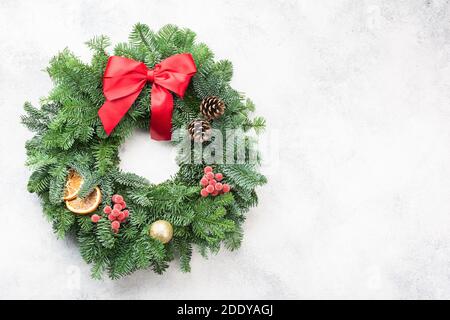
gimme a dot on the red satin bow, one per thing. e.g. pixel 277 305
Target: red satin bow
pixel 124 79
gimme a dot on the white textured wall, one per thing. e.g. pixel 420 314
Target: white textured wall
pixel 358 202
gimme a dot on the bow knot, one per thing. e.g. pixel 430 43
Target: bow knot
pixel 124 80
pixel 151 75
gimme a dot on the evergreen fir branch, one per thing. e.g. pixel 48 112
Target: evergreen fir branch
pixel 63 223
pixel 56 190
pixel 189 174
pixel 139 196
pixel 142 35
pixel 139 217
pixel 122 265
pixel 129 232
pixel 203 248
pixel 38 182
pixel 184 250
pixel 159 266
pixel 57 183
pixel 224 199
pixel 244 199
pixel 165 39
pixel 233 239
pixel 99 267
pixel 250 105
pixel 130 179
pixel 89 247
pixel 125 50
pixel 211 227
pixel 67 70
pixel 107 189
pixel 50 108
pixel 104 154
pixel 142 253
pixel 224 69
pixel 35 120
pixel 104 234
pixel 90 181
pixel 85 224
pixel 182 217
pixel 203 58
pixel 243 175
pixel 184 40
pixel 81 162
pixel 258 124
pixel 99 43
pixel 39 160
pixel 157 250
pixel 62 219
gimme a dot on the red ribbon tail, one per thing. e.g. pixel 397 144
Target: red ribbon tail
pixel 113 111
pixel 161 113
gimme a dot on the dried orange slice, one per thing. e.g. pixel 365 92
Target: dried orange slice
pixel 85 205
pixel 73 185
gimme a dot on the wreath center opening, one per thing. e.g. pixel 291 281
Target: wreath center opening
pixel 154 160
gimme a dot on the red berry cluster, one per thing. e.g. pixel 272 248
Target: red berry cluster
pixel 211 183
pixel 117 214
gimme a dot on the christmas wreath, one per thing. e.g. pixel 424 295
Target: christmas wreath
pixel 121 221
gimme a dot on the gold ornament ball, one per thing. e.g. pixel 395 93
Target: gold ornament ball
pixel 161 230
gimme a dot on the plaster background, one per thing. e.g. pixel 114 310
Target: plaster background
pixel 357 204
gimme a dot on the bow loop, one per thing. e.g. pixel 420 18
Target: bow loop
pixel 124 80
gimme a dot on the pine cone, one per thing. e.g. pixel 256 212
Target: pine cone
pixel 199 130
pixel 212 107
